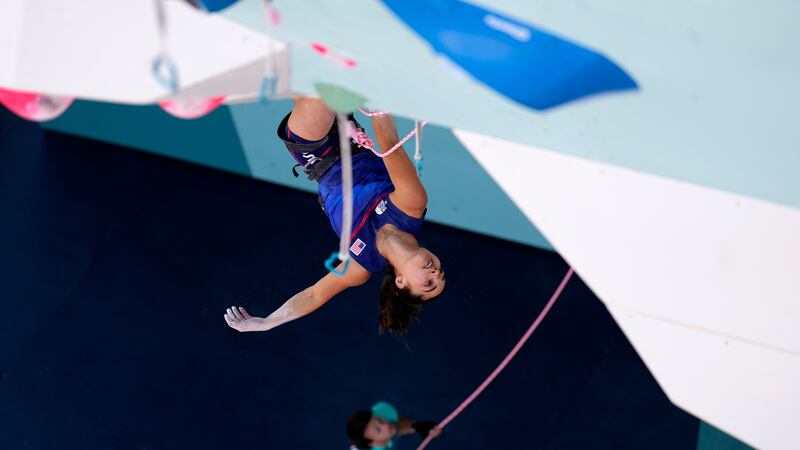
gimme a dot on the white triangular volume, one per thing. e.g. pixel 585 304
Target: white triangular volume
pixel 705 284
pixel 744 388
pixel 104 49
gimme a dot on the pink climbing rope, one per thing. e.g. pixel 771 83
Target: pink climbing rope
pixel 333 55
pixel 505 361
pixel 365 141
pixel 372 113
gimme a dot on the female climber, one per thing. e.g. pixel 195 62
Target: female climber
pixel 389 203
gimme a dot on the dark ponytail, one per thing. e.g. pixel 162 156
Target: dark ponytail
pixel 356 425
pixel 398 307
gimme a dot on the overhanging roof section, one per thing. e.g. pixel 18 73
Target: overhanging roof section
pixel 104 50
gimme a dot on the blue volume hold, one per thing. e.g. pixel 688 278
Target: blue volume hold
pixel 516 59
pixel 216 5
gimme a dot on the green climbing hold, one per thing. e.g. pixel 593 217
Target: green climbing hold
pixel 338 98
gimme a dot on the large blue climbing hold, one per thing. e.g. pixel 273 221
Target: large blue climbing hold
pixel 522 62
pixel 213 5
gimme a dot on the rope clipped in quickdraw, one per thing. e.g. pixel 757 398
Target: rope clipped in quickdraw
pixel 268 83
pixel 506 360
pixel 368 144
pixel 418 147
pixel 163 67
pixel 347 199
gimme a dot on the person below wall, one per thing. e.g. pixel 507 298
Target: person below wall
pixel 380 427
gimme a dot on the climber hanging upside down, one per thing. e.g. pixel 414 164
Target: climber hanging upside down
pixel 389 204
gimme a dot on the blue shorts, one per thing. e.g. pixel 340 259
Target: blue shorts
pixel 310 153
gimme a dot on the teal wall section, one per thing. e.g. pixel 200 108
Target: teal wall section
pixel 710 438
pixel 209 140
pixel 717 106
pixel 241 139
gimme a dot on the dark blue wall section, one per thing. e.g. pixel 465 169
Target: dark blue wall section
pixel 115 270
pixel 526 64
pixel 210 140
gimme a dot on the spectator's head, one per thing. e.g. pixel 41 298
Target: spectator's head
pixel 366 430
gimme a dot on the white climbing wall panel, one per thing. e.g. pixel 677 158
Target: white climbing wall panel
pixel 705 284
pixel 103 50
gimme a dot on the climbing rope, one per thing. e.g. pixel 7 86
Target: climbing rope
pixel 347 199
pixel 505 361
pixel 347 131
pixel 363 140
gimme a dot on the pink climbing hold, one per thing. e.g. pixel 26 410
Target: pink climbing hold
pixel 275 17
pixel 34 107
pixel 334 56
pixel 191 108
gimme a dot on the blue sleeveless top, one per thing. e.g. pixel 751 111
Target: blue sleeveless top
pixel 372 207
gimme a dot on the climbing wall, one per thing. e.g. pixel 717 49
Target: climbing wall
pixel 702 281
pixel 652 145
